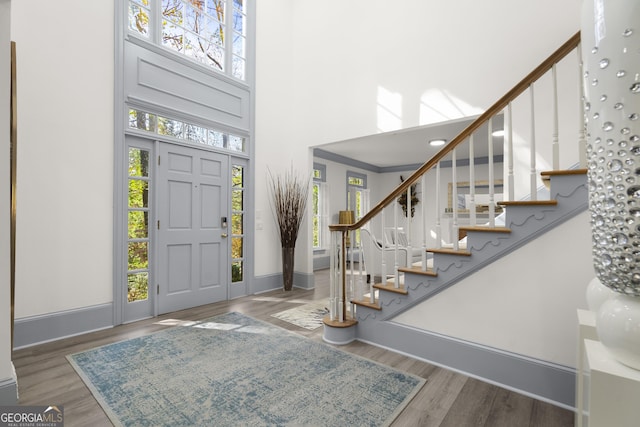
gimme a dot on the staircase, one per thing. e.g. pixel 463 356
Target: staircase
pixel 525 220
pixel 368 314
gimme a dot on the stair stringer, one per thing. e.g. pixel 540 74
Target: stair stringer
pixel 526 224
pixel 543 380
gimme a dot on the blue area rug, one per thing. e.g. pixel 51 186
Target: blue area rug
pixel 233 370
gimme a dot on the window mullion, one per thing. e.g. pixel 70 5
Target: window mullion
pixel 228 40
pixel 156 18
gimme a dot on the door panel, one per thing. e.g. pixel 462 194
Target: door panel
pixel 180 205
pixel 193 254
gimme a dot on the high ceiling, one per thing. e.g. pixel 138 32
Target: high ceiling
pixel 410 146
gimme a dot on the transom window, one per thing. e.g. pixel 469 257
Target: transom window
pixel 211 32
pixel 186 131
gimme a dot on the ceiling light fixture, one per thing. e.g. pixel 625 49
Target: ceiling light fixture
pixel 437 142
pixel 498 133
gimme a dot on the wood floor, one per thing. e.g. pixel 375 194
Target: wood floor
pixel 447 399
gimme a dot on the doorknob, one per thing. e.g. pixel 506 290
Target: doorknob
pixel 223 235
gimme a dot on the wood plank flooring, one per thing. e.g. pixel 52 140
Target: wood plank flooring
pixel 447 399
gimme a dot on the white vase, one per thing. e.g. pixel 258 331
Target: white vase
pixel 597 294
pixel 610 37
pixel 618 326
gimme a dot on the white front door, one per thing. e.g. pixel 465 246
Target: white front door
pixel 192 227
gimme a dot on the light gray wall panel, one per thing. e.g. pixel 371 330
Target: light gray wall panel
pixel 150 77
pixel 50 327
pixel 8 393
pixel 545 381
pixel 273 282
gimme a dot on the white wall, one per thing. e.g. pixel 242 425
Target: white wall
pixel 277 146
pixel 534 315
pixel 6 368
pixel 65 155
pixel 359 63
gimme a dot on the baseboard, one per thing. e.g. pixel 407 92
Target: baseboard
pixel 34 330
pixel 273 282
pixel 321 262
pixel 9 391
pixel 542 380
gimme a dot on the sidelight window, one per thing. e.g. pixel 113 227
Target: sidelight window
pixel 138 225
pixel 237 222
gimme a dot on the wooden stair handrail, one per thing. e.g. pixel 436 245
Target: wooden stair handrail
pixel 511 95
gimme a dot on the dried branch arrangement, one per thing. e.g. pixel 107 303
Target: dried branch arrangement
pixel 289 194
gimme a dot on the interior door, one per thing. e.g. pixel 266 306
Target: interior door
pixel 192 227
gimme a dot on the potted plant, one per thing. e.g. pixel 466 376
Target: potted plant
pixel 289 194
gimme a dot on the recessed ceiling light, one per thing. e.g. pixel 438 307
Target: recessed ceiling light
pixel 437 142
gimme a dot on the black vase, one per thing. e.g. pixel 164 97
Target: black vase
pixel 287 268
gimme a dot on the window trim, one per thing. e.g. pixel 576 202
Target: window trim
pixel 322 168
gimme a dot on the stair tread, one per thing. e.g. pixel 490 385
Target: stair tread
pixel 349 321
pixel 418 270
pixel 390 287
pixel 449 251
pixel 564 172
pixel 529 203
pixel 485 228
pixel 367 303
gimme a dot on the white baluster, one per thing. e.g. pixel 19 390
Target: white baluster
pixel 395 247
pixel 360 287
pixel 372 297
pixel 532 173
pixel 509 135
pixel 454 201
pixel 472 183
pixel 350 250
pixel 438 213
pixel 408 231
pixel 423 193
pixel 554 136
pixel 492 207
